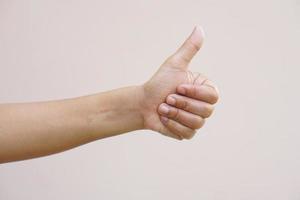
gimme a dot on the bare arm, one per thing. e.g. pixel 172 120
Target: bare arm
pixel 173 103
pixel 30 130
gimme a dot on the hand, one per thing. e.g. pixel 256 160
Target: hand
pixel 175 101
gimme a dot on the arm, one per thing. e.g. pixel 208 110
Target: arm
pixel 172 102
pixel 30 130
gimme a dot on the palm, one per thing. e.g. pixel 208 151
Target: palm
pixel 163 83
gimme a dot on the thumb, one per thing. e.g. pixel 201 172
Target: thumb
pixel 183 56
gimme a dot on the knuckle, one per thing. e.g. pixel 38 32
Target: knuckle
pixel 189 134
pixel 172 61
pixel 194 91
pixel 174 113
pixel 214 96
pixel 183 104
pixel 199 122
pixel 207 110
pixel 210 83
pixel 194 47
pixel 185 59
pixel 175 61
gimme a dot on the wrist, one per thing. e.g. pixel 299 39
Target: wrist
pixel 112 112
pixel 139 99
pixel 130 104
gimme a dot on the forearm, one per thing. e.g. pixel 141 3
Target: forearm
pixel 30 130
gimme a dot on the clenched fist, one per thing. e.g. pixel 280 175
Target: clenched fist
pixel 175 101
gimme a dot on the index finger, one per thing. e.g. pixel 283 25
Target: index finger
pixel 204 92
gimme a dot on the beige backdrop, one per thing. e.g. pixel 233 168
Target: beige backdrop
pixel 249 149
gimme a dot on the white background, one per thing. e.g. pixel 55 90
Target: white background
pixel 249 149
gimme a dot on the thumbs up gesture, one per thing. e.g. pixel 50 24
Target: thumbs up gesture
pixel 176 101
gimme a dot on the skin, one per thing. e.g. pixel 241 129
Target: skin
pixel 174 102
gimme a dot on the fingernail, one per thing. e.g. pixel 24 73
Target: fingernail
pixel 163 119
pixel 200 28
pixel 164 109
pixel 171 100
